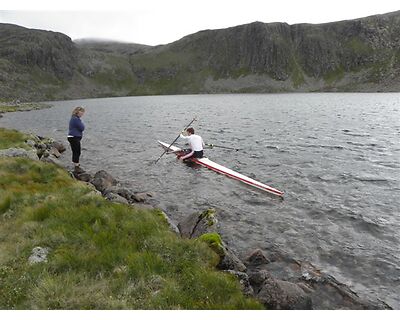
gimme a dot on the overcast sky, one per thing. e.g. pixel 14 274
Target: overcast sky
pixel 155 22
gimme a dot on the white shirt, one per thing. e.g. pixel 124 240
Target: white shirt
pixel 196 142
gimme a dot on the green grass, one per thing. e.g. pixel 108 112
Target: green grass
pixel 103 255
pixel 7 108
pixel 12 138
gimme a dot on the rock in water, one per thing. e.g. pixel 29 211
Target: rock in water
pixel 103 180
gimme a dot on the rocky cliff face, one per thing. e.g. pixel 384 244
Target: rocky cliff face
pixel 49 51
pixel 362 54
pixel 34 62
pixel 354 55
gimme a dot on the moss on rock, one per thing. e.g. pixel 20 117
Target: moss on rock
pixel 214 241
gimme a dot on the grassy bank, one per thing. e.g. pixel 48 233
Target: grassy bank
pixel 12 139
pixel 23 106
pixel 102 255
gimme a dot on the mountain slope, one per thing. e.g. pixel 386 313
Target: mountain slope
pixel 354 55
pixel 362 54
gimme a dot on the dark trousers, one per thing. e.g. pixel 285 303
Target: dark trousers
pixel 196 154
pixel 75 143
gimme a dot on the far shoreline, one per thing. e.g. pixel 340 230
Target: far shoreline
pixel 17 106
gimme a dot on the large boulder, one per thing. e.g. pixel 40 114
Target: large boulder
pixel 58 146
pixel 103 180
pixel 197 224
pixel 82 176
pixel 51 159
pixel 115 198
pixel 140 196
pixel 278 294
pixel 282 282
pixel 229 260
pixel 54 152
pixel 256 258
pixel 123 192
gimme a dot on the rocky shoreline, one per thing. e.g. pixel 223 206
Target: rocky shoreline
pixel 274 278
pixel 16 105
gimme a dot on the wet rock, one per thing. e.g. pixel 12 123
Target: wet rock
pixel 123 192
pixel 187 226
pixel 257 278
pixel 283 295
pixel 324 290
pixel 103 180
pixel 229 261
pixel 59 146
pixel 197 224
pixel 84 176
pixel 54 152
pixel 328 293
pixel 257 258
pixel 116 198
pixel 139 197
pixel 38 255
pixel 51 159
pixel 19 152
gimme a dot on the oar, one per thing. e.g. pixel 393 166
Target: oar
pixel 175 140
pixel 223 147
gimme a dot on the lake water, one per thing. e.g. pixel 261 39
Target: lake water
pixel 336 156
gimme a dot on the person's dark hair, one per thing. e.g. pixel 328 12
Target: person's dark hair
pixel 190 130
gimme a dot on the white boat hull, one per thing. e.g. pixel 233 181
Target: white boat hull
pixel 205 162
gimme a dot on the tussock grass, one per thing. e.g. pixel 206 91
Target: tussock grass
pixel 12 138
pixel 103 255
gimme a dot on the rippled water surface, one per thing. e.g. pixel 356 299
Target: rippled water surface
pixel 336 156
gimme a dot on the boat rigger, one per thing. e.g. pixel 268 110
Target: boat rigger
pixel 205 162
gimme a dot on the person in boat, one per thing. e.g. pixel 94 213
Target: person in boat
pixel 76 128
pixel 196 144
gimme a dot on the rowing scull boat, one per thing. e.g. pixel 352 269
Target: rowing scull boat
pixel 205 162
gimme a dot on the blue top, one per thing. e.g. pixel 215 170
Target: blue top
pixel 76 127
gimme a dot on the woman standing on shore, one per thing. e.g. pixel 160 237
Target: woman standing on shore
pixel 76 128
